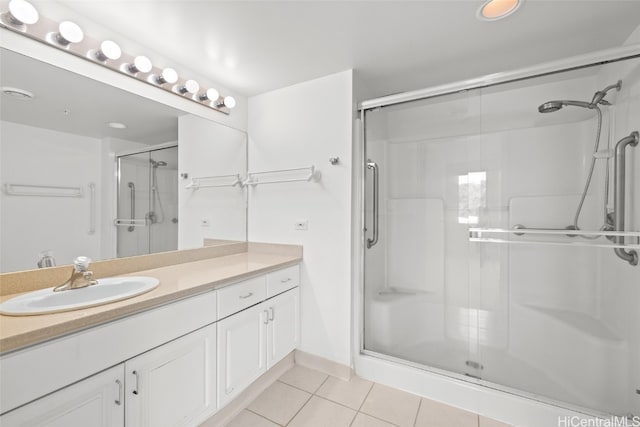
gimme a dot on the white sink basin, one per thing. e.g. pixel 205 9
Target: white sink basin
pixel 105 291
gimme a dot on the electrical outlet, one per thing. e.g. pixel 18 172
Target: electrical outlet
pixel 204 222
pixel 301 225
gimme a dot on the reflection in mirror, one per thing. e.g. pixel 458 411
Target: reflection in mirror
pixel 75 153
pixel 147 202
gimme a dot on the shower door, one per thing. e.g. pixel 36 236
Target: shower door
pixel 502 225
pixel 417 291
pixel 147 206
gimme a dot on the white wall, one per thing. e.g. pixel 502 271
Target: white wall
pixel 31 224
pixel 298 126
pixel 209 149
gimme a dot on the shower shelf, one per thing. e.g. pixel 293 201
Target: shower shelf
pixel 556 237
pixel 214 181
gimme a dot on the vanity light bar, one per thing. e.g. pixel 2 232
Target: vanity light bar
pixel 22 17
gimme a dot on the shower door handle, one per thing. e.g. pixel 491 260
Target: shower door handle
pixel 630 256
pixel 376 202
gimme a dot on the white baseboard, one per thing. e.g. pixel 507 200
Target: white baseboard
pixel 321 364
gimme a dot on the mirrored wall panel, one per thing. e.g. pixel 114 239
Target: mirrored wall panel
pixel 79 158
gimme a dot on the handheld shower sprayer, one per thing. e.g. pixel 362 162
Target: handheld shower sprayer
pixel 598 99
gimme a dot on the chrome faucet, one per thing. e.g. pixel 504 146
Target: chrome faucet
pixel 81 277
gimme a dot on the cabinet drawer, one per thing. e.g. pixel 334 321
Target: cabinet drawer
pixel 283 280
pixel 239 296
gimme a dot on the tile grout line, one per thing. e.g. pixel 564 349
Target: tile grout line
pixel 261 416
pixel 366 396
pixel 415 420
pixel 323 383
pixel 299 410
pixel 296 387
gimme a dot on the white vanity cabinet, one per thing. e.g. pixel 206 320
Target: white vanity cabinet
pixel 242 358
pixel 97 401
pixel 254 339
pixel 174 384
pixel 283 327
pixel 174 365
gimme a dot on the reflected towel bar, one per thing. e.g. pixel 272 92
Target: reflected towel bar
pixel 209 182
pixel 42 190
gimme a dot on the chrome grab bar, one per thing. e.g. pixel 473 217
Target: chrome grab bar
pixel 132 187
pixel 92 208
pixel 376 202
pixel 630 256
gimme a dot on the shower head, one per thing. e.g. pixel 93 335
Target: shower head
pixel 155 163
pixel 552 106
pixel 598 99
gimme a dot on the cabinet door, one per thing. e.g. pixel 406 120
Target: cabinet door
pixel 241 351
pixel 174 384
pixel 96 401
pixel 283 332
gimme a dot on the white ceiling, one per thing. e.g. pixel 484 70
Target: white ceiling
pixel 256 46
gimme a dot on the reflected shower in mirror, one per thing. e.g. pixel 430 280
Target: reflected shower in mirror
pixel 75 153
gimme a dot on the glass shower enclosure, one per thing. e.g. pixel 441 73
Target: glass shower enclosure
pixel 502 236
pixel 147 205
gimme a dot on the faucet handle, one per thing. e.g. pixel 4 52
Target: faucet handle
pixel 81 263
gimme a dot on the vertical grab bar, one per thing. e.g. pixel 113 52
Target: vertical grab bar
pixel 92 208
pixel 132 187
pixel 376 202
pixel 619 196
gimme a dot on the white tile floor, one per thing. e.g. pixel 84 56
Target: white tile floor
pixel 303 397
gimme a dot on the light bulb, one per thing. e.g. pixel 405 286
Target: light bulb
pixel 22 12
pixel 69 32
pixel 229 101
pixel 190 86
pixel 108 50
pixel 210 94
pixel 141 64
pixel 168 75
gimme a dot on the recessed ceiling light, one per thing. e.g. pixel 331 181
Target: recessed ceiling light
pixel 117 125
pixel 17 93
pixel 492 10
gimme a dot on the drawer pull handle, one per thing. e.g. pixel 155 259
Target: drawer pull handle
pixel 119 399
pixel 288 279
pixel 271 316
pixel 249 295
pixel 135 390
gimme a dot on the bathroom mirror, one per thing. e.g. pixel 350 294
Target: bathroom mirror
pixel 89 169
